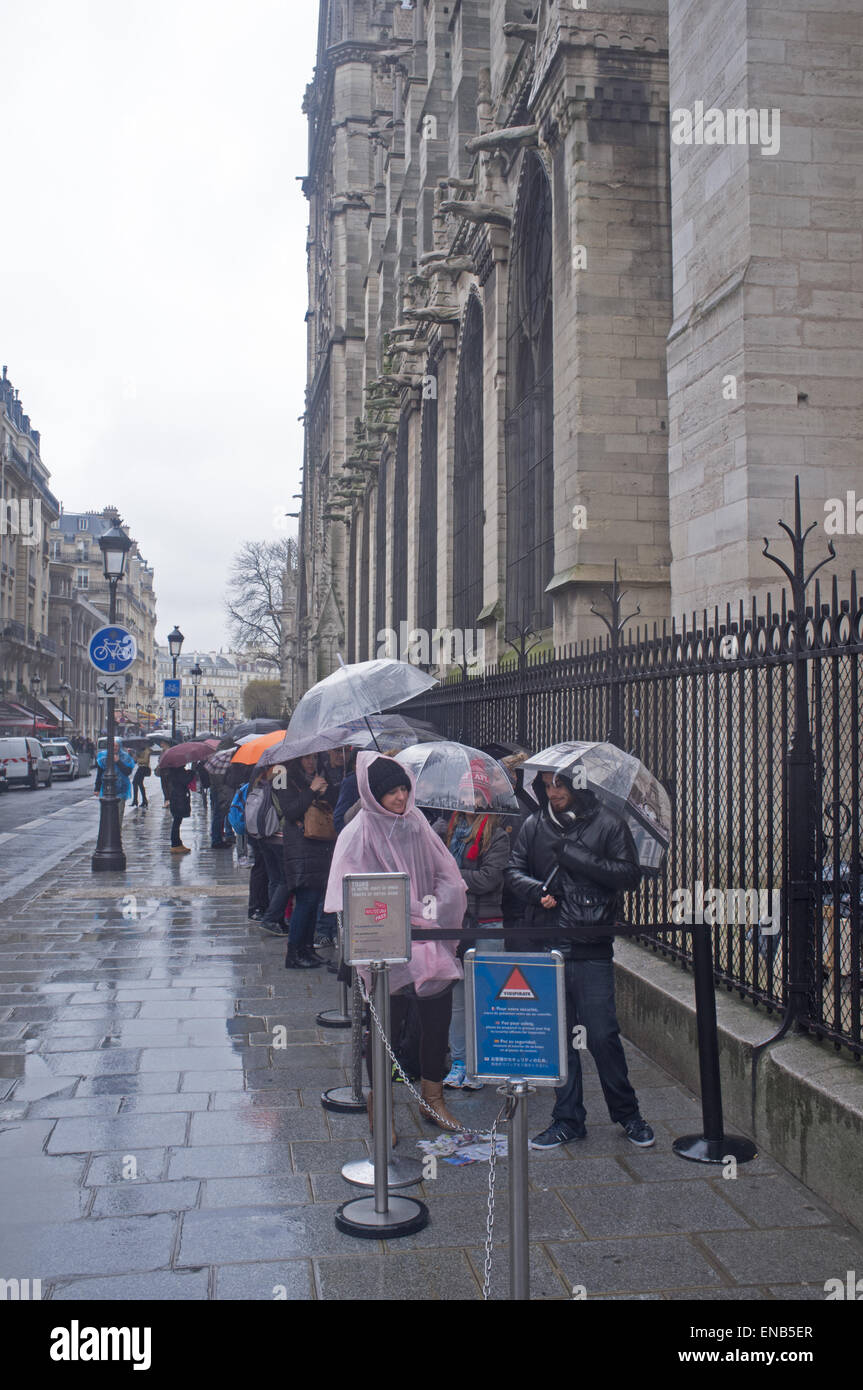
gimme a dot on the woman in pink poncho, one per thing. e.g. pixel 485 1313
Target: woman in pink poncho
pixel 390 835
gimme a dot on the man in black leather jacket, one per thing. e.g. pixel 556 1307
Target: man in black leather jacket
pixel 591 852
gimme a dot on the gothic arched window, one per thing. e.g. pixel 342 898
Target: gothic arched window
pixel 352 589
pixel 530 406
pixel 468 513
pixel 400 526
pixel 381 548
pixel 427 554
pixel 365 595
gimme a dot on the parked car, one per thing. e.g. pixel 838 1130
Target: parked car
pixel 62 757
pixel 25 763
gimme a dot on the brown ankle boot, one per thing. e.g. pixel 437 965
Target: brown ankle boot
pixel 432 1094
pixel 371 1114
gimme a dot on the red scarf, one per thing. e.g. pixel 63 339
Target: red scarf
pixel 473 852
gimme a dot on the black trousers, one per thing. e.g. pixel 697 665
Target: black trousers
pixel 590 1002
pixel 138 785
pixel 176 822
pixel 259 895
pixel 434 1016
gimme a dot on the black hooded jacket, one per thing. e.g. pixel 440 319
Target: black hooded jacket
pixel 307 862
pixel 596 861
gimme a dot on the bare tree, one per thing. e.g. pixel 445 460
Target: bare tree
pixel 253 602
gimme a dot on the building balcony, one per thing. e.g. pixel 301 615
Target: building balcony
pixel 27 637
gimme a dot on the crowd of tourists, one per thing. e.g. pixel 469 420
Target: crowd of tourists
pixel 305 824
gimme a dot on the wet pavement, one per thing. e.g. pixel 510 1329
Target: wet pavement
pixel 155 1143
pixel 38 828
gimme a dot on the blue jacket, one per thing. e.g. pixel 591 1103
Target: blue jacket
pixel 349 795
pixel 124 767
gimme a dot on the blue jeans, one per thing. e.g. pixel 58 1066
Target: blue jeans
pixel 590 1002
pixel 326 923
pixel 303 917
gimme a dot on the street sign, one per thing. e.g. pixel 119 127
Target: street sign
pixel 516 1016
pixel 172 688
pixel 112 649
pixel 172 701
pixel 376 919
pixel 112 687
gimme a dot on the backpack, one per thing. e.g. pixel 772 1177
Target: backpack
pixel 237 810
pixel 254 805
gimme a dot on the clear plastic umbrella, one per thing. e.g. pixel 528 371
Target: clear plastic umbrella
pixel 388 730
pixel 354 692
pixel 456 777
pixel 618 780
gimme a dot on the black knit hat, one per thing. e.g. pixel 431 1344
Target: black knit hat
pixel 384 776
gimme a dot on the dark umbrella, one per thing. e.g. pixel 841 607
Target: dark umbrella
pixel 182 753
pixel 255 726
pixel 503 750
pixel 220 761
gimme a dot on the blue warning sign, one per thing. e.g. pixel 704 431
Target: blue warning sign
pixel 516 1016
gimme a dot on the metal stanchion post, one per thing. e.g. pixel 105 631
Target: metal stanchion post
pixel 401 1172
pixel 348 1099
pixel 382 1216
pixel 519 1251
pixel 339 1017
pixel 713 1145
pixel 382 1099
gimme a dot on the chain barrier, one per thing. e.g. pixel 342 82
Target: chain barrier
pixel 357 1037
pixel 504 1114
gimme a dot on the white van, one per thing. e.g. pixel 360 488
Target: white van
pixel 25 762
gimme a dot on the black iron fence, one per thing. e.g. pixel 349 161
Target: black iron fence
pixel 753 723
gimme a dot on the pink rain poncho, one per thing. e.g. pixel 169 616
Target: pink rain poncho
pixel 379 841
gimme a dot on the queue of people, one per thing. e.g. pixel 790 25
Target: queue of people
pixel 563 860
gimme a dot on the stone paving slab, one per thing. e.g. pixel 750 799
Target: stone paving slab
pixel 158 1141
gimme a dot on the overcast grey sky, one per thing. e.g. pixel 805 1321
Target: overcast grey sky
pixel 152 269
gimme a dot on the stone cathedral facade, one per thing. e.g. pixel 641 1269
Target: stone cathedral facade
pixel 585 286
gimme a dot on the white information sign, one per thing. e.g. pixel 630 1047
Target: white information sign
pixel 376 919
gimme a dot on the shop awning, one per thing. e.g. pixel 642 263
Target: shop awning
pixel 54 712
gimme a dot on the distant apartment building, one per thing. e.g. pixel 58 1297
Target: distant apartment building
pixel 27 510
pixel 225 676
pixel 72 620
pixel 76 567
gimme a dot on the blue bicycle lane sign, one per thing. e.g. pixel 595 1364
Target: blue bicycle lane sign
pixel 112 649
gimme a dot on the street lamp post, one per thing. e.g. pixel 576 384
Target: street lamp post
pixel 175 646
pixel 196 674
pixel 35 687
pixel 115 546
pixel 210 698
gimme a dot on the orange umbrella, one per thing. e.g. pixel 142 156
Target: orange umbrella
pixel 249 752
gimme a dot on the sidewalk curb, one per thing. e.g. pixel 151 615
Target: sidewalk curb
pixel 809 1099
